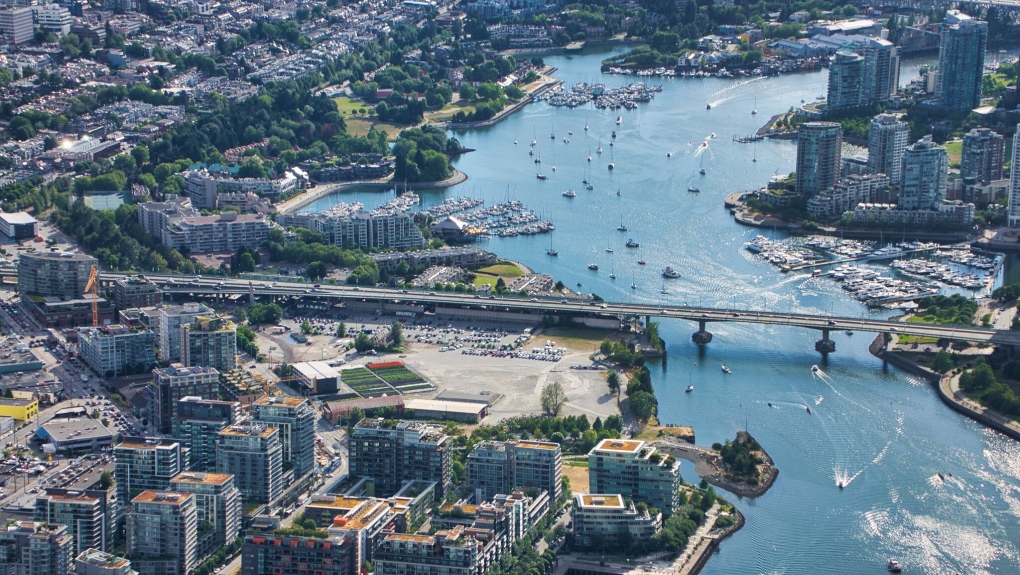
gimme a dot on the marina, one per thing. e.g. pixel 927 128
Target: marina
pixel 628 96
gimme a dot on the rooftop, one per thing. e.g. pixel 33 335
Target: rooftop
pixel 601 501
pixel 101 558
pixel 144 443
pixel 17 218
pixel 249 430
pixel 166 497
pixel 287 401
pixel 410 537
pixel 69 256
pixel 337 502
pixel 536 444
pixel 202 478
pixel 60 430
pixel 619 445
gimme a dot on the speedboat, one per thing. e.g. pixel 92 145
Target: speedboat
pixel 609 250
pixel 633 285
pixel 702 171
pixel 694 190
pixel 840 485
pixel 808 410
pixel 848 332
pixel 726 370
pixel 669 154
pixel 593 267
pixel 632 244
pixel 669 272
pixel 641 262
pixel 893 566
pixel 689 389
pixel 541 176
pixel 619 120
pixel 708 106
pixel 814 369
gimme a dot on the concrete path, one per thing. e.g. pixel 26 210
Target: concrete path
pixel 949 387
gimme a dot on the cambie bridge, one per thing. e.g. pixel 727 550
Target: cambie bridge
pixel 510 308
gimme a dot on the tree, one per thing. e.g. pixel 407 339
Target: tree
pixel 942 362
pixel 341 330
pixel 397 334
pixel 246 263
pixel 614 382
pixel 264 313
pixel 644 405
pixel 316 270
pixel 362 343
pixel 553 398
pixel 105 480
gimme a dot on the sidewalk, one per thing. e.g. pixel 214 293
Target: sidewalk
pixel 949 389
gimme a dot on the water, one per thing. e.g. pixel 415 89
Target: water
pixel 881 431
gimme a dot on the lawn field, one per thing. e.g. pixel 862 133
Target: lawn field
pixel 503 270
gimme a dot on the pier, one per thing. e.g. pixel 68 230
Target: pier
pixel 748 138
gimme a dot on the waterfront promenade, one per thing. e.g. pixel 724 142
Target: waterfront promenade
pixel 318 192
pixel 949 391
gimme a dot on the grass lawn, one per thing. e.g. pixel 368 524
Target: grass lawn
pixel 955 150
pixel 360 126
pixel 346 106
pixel 503 270
pixel 583 338
pixel 912 339
pixel 450 109
pixel 484 280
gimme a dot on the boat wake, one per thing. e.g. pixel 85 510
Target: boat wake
pixel 732 92
pixel 843 477
pixel 819 399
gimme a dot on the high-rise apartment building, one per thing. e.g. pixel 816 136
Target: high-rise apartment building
pixel 448 552
pixel 116 350
pixel 218 504
pixel 488 470
pixel 254 456
pixel 209 341
pixel 961 61
pixel 17 25
pixel 96 562
pixel 635 470
pixel 392 452
pixel 34 548
pixel 887 141
pixel 818 156
pixel 53 274
pixel 881 70
pixel 53 18
pixel 846 81
pixel 135 292
pixel 266 554
pixel 608 520
pixel 87 514
pixel 162 533
pixel 198 424
pixel 171 384
pixel 982 156
pixel 171 318
pixel 1014 182
pixel 923 176
pixel 147 464
pixel 536 464
pixel 295 418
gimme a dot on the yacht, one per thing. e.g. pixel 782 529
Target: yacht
pixel 894 566
pixel 619 120
pixel 621 227
pixel 689 389
pixel 694 190
pixel 541 176
pixel 708 106
pixel 669 272
pixel 726 370
pixel 570 194
pixel 641 262
pixel 631 243
pixel 593 267
pixel 886 253
pixel 551 252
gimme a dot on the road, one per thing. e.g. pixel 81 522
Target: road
pixel 228 286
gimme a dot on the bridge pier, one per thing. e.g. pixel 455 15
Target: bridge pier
pixel 825 345
pixel 702 336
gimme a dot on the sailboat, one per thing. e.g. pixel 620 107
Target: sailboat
pixel 621 227
pixel 612 272
pixel 611 164
pixel 633 284
pixel 533 139
pixel 598 150
pixel 702 170
pixel 585 122
pixel 552 135
pixel 755 110
pixel 664 291
pixel 550 251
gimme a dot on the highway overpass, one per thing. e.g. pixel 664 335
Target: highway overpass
pixel 536 307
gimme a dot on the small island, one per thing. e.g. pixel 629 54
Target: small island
pixel 740 466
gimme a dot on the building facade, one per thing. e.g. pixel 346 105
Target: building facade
pixel 34 548
pixel 87 515
pixel 171 318
pixel 17 25
pixel 295 418
pixel 488 469
pixel 392 452
pixel 254 456
pixel 96 562
pixel 197 425
pixel 881 70
pixel 54 274
pixel 818 156
pixel 135 292
pixel 632 469
pixel 923 175
pixel 265 554
pixel 610 522
pixel 536 464
pixel 211 342
pixel 218 505
pixel 982 156
pixel 846 81
pixel 146 464
pixel 1014 182
pixel 448 552
pixel 172 384
pixel 116 350
pixel 961 61
pixel 224 232
pixel 162 533
pixel 845 195
pixel 887 141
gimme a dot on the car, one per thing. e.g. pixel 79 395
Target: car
pixel 893 329
pixel 432 293
pixel 563 301
pixel 356 288
pixel 736 315
pixel 535 299
pixel 831 322
pixel 317 285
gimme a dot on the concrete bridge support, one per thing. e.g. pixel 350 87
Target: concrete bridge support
pixel 825 345
pixel 702 336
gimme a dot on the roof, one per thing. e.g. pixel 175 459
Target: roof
pixel 202 478
pixel 619 445
pixel 249 430
pixel 410 537
pixel 598 500
pixel 338 502
pixel 315 369
pixel 536 444
pixel 165 497
pixel 60 430
pixel 343 408
pixel 445 406
pixel 288 401
pixel 17 402
pixel 17 218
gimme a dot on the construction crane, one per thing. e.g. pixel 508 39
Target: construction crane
pixel 92 287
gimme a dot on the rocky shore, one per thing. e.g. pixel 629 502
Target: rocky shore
pixel 708 465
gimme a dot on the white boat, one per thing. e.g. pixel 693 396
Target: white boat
pixel 669 272
pixel 570 194
pixel 593 267
pixel 689 389
pixel 894 566
pixel 609 250
pixel 619 120
pixel 886 253
pixel 694 190
pixel 631 243
pixel 551 252
pixel 725 369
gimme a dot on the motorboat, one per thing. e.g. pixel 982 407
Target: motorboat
pixel 808 410
pixel 840 485
pixel 689 389
pixel 708 106
pixel 593 267
pixel 694 190
pixel 570 194
pixel 632 244
pixel 669 154
pixel 848 333
pixel 815 369
pixel 542 176
pixel 611 165
pixel 669 272
pixel 641 262
pixel 609 250
pixel 551 252
pixel 702 171
pixel 612 276
pixel 619 120
pixel 633 285
pixel 726 370
pixel 617 191
pixel 893 565
pixel 613 135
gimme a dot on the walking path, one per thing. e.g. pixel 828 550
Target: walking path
pixel 312 194
pixel 949 390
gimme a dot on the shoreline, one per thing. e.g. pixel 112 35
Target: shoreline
pixel 318 192
pixel 702 458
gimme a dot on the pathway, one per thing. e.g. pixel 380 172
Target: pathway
pixel 949 387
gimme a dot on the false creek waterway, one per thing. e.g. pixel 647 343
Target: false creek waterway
pixel 883 431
